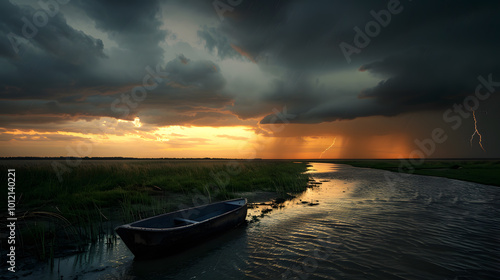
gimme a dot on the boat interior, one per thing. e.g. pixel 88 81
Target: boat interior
pixel 189 216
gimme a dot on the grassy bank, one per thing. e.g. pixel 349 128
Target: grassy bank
pixel 478 171
pixel 93 196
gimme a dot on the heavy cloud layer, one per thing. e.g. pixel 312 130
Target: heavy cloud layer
pixel 427 57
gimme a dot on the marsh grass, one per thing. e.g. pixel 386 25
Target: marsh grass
pixel 478 171
pixel 41 232
pixel 97 195
pixel 44 232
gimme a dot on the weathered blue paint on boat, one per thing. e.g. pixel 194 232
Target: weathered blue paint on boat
pixel 172 232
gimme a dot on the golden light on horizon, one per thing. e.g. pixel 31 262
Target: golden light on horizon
pixel 110 137
pixel 132 138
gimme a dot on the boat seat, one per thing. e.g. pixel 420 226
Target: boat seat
pixel 186 220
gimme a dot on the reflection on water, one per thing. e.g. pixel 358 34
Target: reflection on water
pixel 322 168
pixel 361 228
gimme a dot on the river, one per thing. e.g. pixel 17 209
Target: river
pixel 355 225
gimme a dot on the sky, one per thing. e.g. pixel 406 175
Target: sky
pixel 250 79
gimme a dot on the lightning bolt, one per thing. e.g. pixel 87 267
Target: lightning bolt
pixel 476 132
pixel 333 143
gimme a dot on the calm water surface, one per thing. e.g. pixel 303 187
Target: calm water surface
pixel 361 228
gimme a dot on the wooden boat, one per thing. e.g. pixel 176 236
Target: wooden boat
pixel 172 232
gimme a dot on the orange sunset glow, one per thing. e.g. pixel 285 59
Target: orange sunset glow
pixel 106 137
pixel 196 83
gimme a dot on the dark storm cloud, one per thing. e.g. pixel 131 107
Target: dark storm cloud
pixel 54 108
pixel 417 80
pixel 296 34
pixel 203 75
pixel 62 74
pixel 215 41
pixel 426 79
pixel 189 85
pixel 59 61
pixel 428 56
pixel 293 90
pixel 56 55
pixel 56 37
pixel 190 93
pixel 303 34
pixel 133 24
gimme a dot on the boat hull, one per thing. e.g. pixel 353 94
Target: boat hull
pixel 146 242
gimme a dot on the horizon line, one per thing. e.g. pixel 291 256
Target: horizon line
pixel 213 158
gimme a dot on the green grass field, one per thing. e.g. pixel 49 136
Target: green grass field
pixel 478 171
pixel 110 183
pixel 89 199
